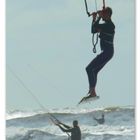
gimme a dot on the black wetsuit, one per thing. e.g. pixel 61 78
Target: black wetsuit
pixel 75 132
pixel 107 31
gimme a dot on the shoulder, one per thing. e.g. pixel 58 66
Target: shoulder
pixel 112 23
pixel 78 128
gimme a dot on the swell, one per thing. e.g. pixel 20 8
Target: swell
pixel 42 135
pixel 68 112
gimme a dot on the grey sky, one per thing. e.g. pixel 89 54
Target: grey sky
pixel 49 46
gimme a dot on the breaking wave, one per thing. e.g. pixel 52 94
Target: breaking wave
pixel 36 125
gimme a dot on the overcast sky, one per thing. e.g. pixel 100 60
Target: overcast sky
pixel 48 46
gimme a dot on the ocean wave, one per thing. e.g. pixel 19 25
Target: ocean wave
pixel 42 135
pixel 63 111
pixel 36 125
pixel 36 135
pixel 113 116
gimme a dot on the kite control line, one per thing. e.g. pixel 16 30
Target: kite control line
pixel 94 41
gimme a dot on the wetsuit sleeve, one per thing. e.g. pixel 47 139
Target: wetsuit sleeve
pixel 95 119
pixel 99 27
pixel 65 130
pixel 66 126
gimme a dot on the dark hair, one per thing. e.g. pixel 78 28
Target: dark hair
pixel 108 10
pixel 75 122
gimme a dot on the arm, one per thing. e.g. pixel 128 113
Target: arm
pixel 66 126
pixel 94 22
pixel 65 130
pixel 95 119
pixel 98 27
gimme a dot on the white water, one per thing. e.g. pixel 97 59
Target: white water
pixel 36 125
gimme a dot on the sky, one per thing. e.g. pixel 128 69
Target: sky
pixel 48 46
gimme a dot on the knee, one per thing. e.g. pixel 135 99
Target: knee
pixel 88 69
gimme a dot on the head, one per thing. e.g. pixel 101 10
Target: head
pixel 106 13
pixel 102 115
pixel 75 123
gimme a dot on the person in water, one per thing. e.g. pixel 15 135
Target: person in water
pixel 106 32
pixel 100 120
pixel 75 130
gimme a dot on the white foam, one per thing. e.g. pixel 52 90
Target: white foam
pixel 119 124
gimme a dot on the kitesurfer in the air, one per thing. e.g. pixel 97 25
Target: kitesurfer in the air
pixel 106 32
pixel 75 130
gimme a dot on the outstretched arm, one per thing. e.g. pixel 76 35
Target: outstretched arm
pixel 60 123
pixel 65 130
pixel 95 119
pixel 66 126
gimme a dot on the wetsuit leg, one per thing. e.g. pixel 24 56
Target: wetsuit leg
pixel 96 65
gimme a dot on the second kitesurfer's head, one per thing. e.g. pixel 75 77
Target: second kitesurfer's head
pixel 75 123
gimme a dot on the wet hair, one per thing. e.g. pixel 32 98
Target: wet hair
pixel 75 122
pixel 108 10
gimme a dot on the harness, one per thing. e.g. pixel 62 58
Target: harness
pixel 110 35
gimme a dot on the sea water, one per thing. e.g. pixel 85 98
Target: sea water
pixel 36 125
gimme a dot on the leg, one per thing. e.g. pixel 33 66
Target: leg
pixel 89 70
pixel 92 70
pixel 94 67
pixel 92 75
